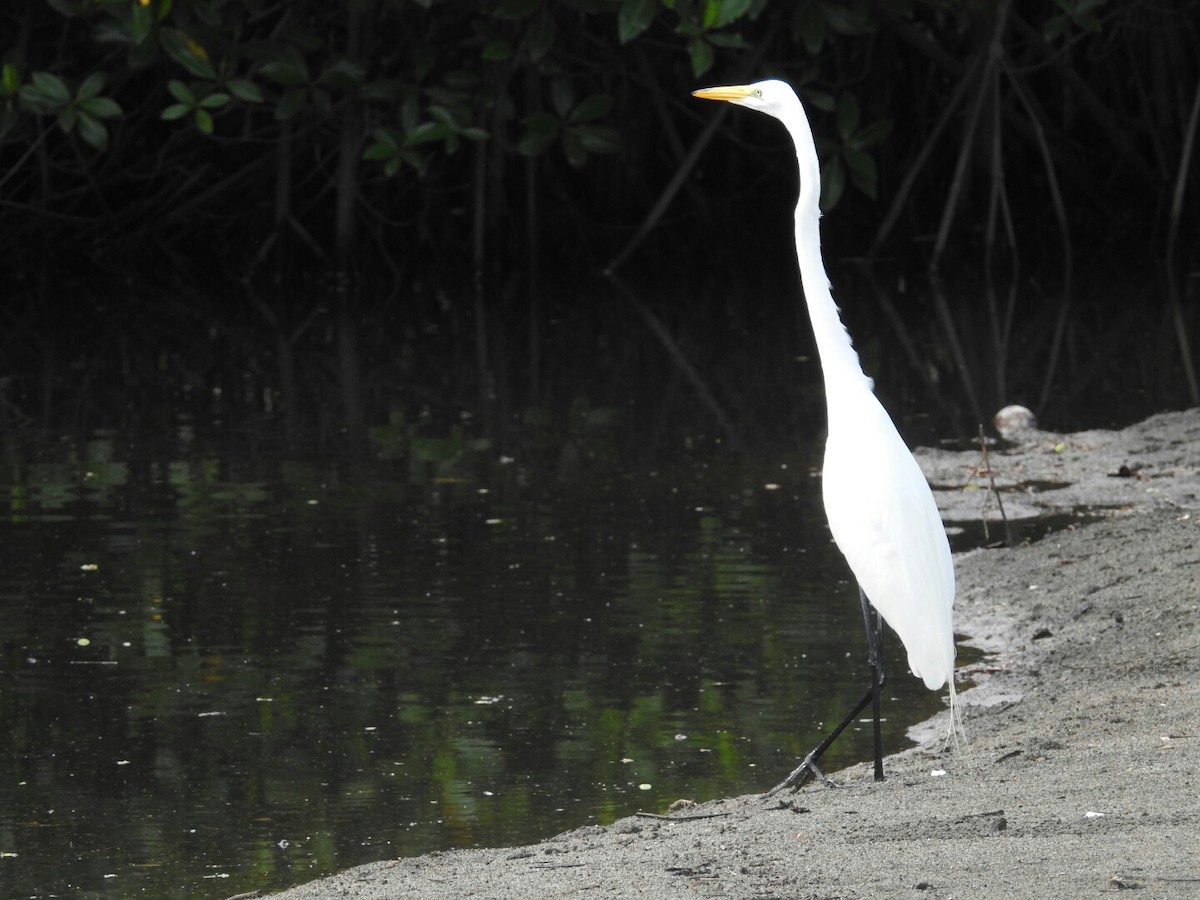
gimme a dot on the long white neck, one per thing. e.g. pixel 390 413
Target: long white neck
pixel 839 362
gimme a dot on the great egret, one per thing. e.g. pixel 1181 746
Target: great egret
pixel 880 509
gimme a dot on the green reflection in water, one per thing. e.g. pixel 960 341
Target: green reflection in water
pixel 223 672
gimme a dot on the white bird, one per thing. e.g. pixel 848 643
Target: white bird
pixel 881 511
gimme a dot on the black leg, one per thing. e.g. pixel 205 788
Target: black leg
pixel 874 626
pixel 809 767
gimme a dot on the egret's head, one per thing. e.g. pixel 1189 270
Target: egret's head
pixel 778 100
pixel 770 97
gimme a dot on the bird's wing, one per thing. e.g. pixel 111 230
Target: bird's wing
pixel 886 523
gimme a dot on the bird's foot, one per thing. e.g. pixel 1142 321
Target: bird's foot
pixel 799 775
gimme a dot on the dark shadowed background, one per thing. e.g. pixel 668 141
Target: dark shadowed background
pixel 410 416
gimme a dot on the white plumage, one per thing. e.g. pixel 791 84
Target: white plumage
pixel 880 508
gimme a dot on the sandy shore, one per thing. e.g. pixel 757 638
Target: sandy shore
pixel 1083 723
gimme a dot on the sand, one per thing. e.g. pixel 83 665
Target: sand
pixel 1082 723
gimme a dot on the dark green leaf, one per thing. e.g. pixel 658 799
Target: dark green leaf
pixel 92 85
pixel 462 80
pixel 860 163
pixel 848 115
pixel 871 135
pixel 416 160
pixel 207 13
pixel 730 11
pixel 144 55
pixel 541 129
pixel 52 87
pixel 634 18
pixel 516 9
pixel 701 54
pixel 388 137
pixel 410 112
pixel 93 131
pixel 112 33
pixel 140 23
pixel 383 89
pixel 594 107
pixel 541 122
pixel 379 151
pixel 730 39
pixel 290 104
pixel 423 61
pixel 246 91
pixel 204 121
pixel 833 182
pixel 598 138
pixel 809 25
pixel 35 100
pixel 175 111
pixel 66 7
pixel 10 80
pixel 427 132
pixel 1082 16
pixel 820 100
pixel 496 51
pixel 344 74
pixel 289 71
pixel 540 37
pixel 185 51
pixel 442 116
pixel 562 96
pixel 181 92
pixel 845 19
pixel 101 107
pixel 67 119
pixel 865 179
pixel 215 101
pixel 576 153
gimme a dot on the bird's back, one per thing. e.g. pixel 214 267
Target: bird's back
pixel 886 523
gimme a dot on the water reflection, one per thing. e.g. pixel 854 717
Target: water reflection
pixel 224 671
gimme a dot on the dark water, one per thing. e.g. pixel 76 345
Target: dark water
pixel 224 670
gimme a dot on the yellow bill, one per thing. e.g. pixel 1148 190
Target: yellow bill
pixel 730 93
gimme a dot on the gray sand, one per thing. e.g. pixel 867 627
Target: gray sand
pixel 1083 726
